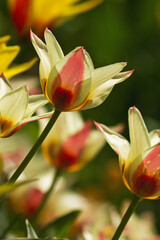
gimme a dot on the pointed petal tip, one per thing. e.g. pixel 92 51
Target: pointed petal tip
pixel 124 63
pixel 32 35
pixel 26 87
pixel 30 31
pixel 130 72
pixel 2 75
pixel 47 30
pixel 98 125
pixel 80 49
pixel 132 108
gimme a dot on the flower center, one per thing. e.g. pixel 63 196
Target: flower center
pixel 145 185
pixel 5 126
pixel 62 98
pixel 65 160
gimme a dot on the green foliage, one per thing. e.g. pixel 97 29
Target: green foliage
pixel 61 226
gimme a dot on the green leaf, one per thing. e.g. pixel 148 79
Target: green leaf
pixel 30 231
pixel 60 226
pixel 8 187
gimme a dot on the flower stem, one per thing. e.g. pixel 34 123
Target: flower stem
pixel 35 147
pixel 47 194
pixel 126 217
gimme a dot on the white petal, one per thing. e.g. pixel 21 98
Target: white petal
pixel 34 118
pixel 98 95
pixel 139 136
pixel 42 52
pixel 89 60
pixel 54 50
pixel 5 86
pixel 13 105
pixel 118 143
pixel 35 101
pixel 103 74
pixel 69 123
pixel 94 143
pixel 154 137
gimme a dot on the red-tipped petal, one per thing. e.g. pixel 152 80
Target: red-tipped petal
pixel 145 180
pixel 66 86
pixel 72 148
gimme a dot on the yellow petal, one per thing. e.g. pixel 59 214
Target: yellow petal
pixel 4 40
pixel 19 68
pixel 81 7
pixel 7 55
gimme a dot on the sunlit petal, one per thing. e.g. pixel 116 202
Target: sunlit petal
pixel 5 86
pixel 42 52
pixel 14 103
pixel 139 136
pixel 35 101
pixel 99 94
pixel 94 143
pixel 101 75
pixel 118 143
pixel 65 84
pixel 54 50
pixel 154 136
pixel 28 120
pixel 12 108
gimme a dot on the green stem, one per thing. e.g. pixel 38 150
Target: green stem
pixel 35 147
pixel 126 217
pixel 46 196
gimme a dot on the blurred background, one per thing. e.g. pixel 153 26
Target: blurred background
pixel 113 31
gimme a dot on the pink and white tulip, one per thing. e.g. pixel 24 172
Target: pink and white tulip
pixel 70 82
pixel 140 159
pixel 72 143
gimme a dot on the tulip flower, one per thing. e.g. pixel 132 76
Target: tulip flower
pixel 17 107
pixel 71 142
pixel 139 159
pixel 7 55
pixel 70 82
pixel 40 14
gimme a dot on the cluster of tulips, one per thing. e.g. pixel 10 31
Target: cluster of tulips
pixel 69 84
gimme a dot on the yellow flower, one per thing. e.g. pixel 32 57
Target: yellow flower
pixel 72 143
pixel 70 82
pixel 7 55
pixel 140 159
pixel 44 13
